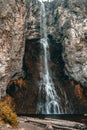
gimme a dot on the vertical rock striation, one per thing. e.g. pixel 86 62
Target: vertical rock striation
pixel 12 23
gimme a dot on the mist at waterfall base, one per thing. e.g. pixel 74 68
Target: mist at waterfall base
pixel 51 102
pixel 45 0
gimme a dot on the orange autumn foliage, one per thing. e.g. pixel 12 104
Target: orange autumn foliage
pixel 78 91
pixel 20 82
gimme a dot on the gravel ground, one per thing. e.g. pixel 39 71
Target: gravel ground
pixel 23 125
pixel 27 123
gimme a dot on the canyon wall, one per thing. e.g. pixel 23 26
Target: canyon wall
pixel 67 25
pixel 73 25
pixel 20 47
pixel 12 23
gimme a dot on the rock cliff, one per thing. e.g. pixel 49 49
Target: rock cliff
pixel 20 30
pixel 67 24
pixel 74 29
pixel 12 23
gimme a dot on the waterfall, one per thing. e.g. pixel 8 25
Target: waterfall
pixel 51 103
pixel 48 101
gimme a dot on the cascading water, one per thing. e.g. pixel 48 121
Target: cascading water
pixel 49 102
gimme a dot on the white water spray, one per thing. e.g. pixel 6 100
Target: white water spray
pixel 52 101
pixel 49 101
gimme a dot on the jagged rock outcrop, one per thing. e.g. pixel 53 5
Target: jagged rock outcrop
pixel 32 30
pixel 70 29
pixel 73 24
pixel 12 23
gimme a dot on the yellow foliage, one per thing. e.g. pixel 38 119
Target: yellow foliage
pixel 7 114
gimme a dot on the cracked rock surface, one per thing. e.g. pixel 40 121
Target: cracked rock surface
pixel 12 22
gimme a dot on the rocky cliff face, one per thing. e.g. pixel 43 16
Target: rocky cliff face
pixel 67 24
pixel 73 24
pixel 66 21
pixel 67 33
pixel 12 23
pixel 69 27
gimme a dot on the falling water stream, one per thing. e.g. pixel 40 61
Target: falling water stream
pixel 50 102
